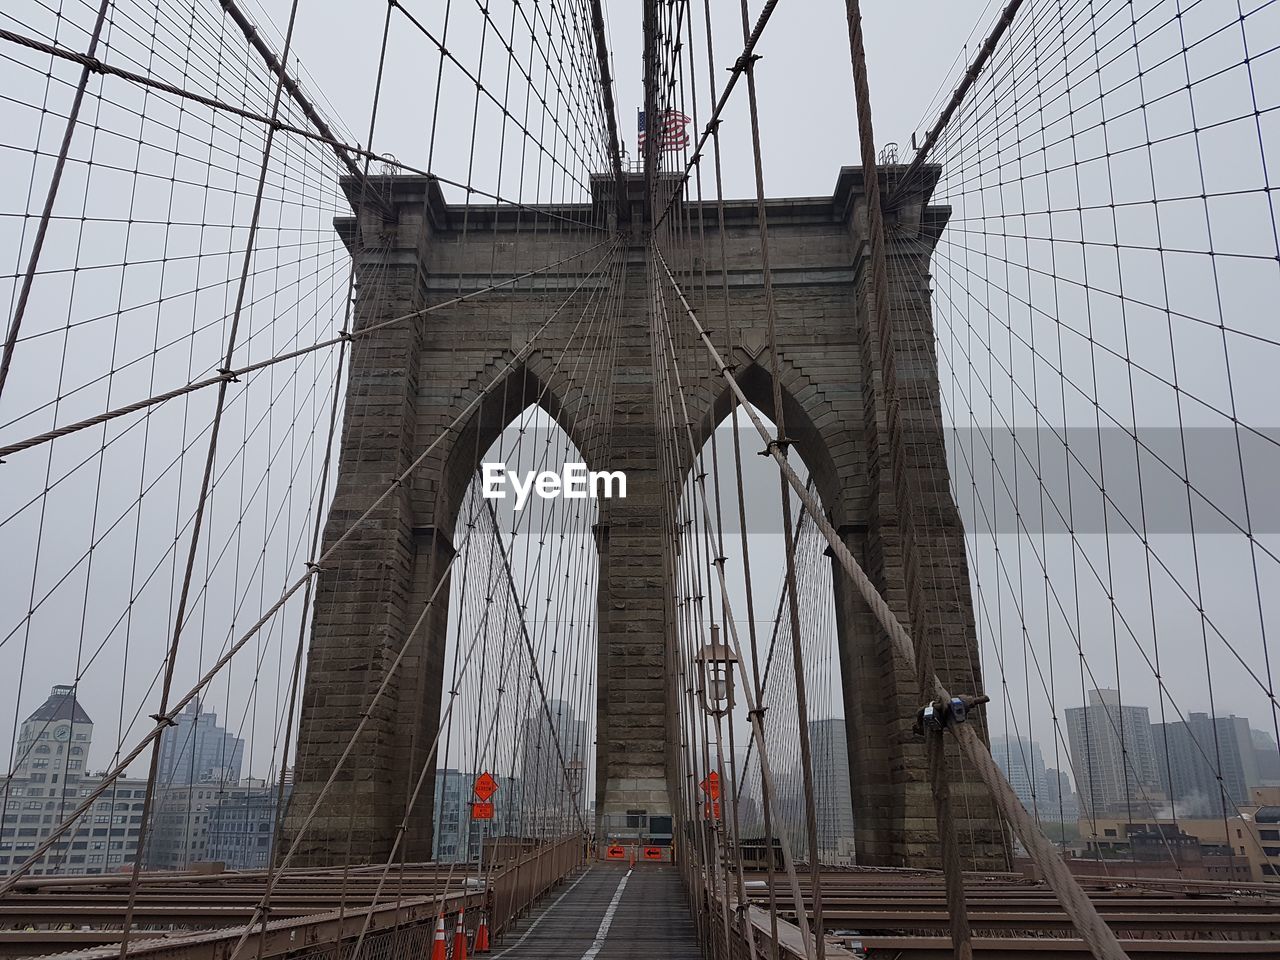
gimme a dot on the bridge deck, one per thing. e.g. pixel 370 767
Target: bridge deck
pixel 609 912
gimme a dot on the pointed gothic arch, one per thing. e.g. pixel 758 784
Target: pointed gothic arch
pixel 408 387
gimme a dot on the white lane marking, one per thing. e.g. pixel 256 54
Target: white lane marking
pixel 533 926
pixel 603 932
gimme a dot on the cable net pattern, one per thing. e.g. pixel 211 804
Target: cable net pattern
pixel 177 244
pixel 231 459
pixel 1103 346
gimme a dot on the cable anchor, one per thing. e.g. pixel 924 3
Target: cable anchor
pixel 937 715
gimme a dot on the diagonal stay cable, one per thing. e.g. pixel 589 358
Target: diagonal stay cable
pixel 106 69
pixel 739 67
pixel 206 485
pixel 1074 900
pixel 42 229
pixel 254 37
pixel 754 713
pixel 913 171
pixel 427 763
pixel 262 907
pixel 313 570
pixel 229 375
pixel 528 642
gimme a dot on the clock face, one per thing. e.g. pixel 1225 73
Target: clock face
pixel 62 733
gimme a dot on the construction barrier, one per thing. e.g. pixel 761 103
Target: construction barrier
pixel 481 944
pixel 460 939
pixel 439 946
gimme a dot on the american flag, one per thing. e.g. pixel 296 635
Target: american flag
pixel 671 130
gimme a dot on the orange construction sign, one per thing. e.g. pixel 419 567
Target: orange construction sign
pixel 485 786
pixel 711 810
pixel 482 810
pixel 711 785
pixel 616 852
pixel 653 853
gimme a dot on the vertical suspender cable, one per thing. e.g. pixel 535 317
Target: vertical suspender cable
pixel 1097 935
pixel 206 483
pixel 788 529
pixel 878 292
pixel 28 278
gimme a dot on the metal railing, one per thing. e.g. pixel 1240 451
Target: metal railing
pixel 193 917
pixel 516 887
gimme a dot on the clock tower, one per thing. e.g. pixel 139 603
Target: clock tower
pixel 53 743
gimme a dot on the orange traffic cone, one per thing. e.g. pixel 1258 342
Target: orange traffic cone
pixel 439 948
pixel 481 944
pixel 459 940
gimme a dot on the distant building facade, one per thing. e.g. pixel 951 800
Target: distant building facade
pixel 1244 847
pixel 1199 751
pixel 830 750
pixel 241 827
pixel 197 750
pixel 1113 755
pixel 552 789
pixel 208 820
pixel 183 826
pixel 459 839
pixel 1267 756
pixel 1060 800
pixel 1023 765
pixel 50 781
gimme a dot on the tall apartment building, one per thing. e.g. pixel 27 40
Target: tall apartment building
pixel 1267 756
pixel 830 750
pixel 1023 765
pixel 197 750
pixel 49 781
pixel 1060 800
pixel 1113 755
pixel 1193 754
pixel 550 789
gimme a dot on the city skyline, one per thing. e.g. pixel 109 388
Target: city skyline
pixel 210 813
pixel 1117 757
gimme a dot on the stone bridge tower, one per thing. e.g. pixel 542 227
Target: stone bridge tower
pixel 409 380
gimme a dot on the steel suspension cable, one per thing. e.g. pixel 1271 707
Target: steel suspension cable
pixel 1077 905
